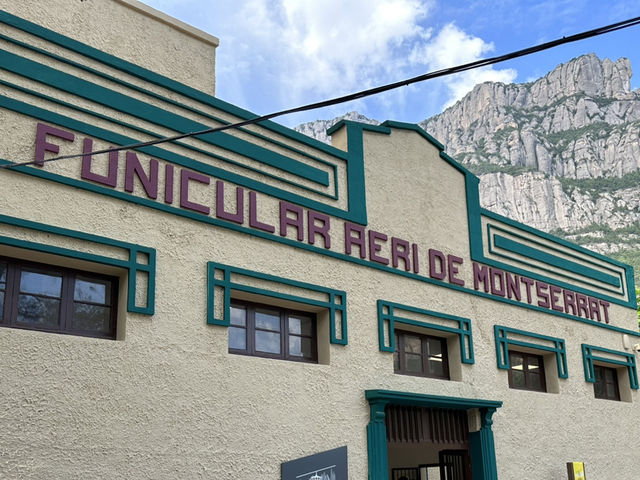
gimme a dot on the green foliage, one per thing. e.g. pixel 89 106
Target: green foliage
pixel 485 167
pixel 598 186
pixel 563 138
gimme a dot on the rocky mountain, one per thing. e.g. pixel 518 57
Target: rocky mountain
pixel 561 154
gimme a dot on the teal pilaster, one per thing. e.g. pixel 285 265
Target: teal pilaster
pixel 377 442
pixel 482 448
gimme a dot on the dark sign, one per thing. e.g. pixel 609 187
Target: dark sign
pixel 329 465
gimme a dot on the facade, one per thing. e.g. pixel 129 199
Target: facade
pixel 227 306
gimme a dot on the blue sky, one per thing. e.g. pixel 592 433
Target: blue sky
pixel 278 54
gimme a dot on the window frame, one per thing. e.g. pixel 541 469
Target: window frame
pixel 284 314
pixel 527 374
pixel 12 292
pixel 401 362
pixel 603 369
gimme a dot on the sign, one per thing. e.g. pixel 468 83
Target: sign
pixel 329 465
pixel 576 471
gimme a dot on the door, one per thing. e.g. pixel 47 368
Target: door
pixel 454 465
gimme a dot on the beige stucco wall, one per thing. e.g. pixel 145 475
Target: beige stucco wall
pixel 167 400
pixel 132 31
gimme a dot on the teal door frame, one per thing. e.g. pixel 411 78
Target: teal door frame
pixel 481 445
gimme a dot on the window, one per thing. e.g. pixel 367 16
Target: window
pixel 54 299
pixel 268 331
pixel 606 385
pixel 420 355
pixel 526 372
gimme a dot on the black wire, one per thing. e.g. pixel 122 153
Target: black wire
pixel 358 95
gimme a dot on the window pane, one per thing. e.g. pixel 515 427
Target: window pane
pixel 396 362
pixel 435 347
pixel 268 319
pixel 1 305
pixel 92 318
pixel 94 291
pixel 239 316
pixel 414 363
pixel 38 311
pixel 300 325
pixel 608 375
pixel 267 342
pixel 300 347
pixel 611 391
pixel 3 276
pixel 40 283
pixel 536 381
pixel 598 389
pixel 518 378
pixel 237 338
pixel 412 344
pixel 436 366
pixel 517 361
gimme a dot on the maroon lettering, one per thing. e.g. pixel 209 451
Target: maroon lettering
pixel 253 215
pixel 133 167
pixel 237 217
pixel 437 264
pixel 497 274
pixel 528 283
pixel 605 310
pixel 554 292
pixel 416 259
pixel 480 275
pixel 569 300
pixel 315 229
pixel 185 177
pixel 400 250
pixel 594 308
pixel 452 263
pixel 111 178
pixel 358 239
pixel 582 305
pixel 543 296
pixel 42 145
pixel 285 220
pixel 375 247
pixel 168 183
pixel 513 286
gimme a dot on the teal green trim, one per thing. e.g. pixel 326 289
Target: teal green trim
pixel 206 153
pixel 390 313
pixel 336 304
pixel 630 294
pixel 553 260
pixel 503 342
pixel 569 276
pixel 176 159
pixel 627 360
pixel 158 116
pixel 482 448
pixel 156 79
pixel 132 265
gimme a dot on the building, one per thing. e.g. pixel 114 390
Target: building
pixel 229 305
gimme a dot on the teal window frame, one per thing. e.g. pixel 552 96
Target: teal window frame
pixel 503 342
pixel 389 312
pixel 627 360
pixel 337 302
pixel 134 265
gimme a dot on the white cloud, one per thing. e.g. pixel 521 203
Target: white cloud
pixel 451 47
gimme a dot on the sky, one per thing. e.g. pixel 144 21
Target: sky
pixel 279 54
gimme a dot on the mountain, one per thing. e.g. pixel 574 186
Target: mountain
pixel 561 154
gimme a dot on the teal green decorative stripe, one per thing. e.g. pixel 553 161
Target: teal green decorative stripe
pixel 336 303
pixel 333 196
pixel 156 79
pixel 481 443
pixel 553 260
pixel 556 272
pixel 133 265
pixel 155 115
pixel 390 313
pixel 628 360
pixel 503 342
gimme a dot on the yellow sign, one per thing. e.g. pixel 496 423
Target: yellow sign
pixel 576 471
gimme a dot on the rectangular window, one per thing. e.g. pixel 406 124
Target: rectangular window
pixel 268 331
pixel 420 355
pixel 606 385
pixel 55 299
pixel 526 372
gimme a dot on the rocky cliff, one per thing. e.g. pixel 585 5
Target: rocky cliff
pixel 561 154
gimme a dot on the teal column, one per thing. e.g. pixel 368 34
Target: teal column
pixel 377 442
pixel 483 451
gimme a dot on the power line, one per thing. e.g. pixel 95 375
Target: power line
pixel 358 95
